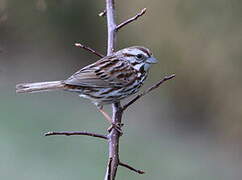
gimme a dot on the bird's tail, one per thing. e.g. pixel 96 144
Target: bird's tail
pixel 39 86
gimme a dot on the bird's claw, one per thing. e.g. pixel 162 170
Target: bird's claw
pixel 117 126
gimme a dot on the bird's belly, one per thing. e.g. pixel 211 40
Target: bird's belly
pixel 110 95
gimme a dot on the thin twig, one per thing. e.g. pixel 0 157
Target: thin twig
pixel 141 13
pixel 103 13
pixel 75 133
pixel 166 78
pixel 89 49
pixel 131 168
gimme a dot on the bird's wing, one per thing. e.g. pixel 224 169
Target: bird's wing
pixel 107 72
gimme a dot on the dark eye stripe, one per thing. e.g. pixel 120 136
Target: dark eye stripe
pixel 128 55
pixel 144 50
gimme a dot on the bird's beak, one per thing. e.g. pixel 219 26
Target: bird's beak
pixel 151 60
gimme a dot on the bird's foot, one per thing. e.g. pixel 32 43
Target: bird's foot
pixel 117 127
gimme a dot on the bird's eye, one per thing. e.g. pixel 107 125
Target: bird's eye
pixel 140 56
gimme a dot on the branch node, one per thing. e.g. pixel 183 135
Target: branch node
pixel 141 13
pixel 89 49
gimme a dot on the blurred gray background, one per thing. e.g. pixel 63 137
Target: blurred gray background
pixel 189 129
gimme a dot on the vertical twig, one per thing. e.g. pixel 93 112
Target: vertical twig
pixel 114 135
pixel 111 25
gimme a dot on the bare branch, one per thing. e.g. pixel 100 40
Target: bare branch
pixel 111 24
pixel 109 168
pixel 114 135
pixel 166 78
pixel 141 13
pixel 89 49
pixel 131 168
pixel 75 133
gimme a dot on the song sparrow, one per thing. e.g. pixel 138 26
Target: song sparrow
pixel 106 81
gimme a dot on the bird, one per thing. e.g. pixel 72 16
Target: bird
pixel 106 81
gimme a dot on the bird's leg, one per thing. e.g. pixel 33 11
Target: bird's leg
pixel 109 119
pixel 105 114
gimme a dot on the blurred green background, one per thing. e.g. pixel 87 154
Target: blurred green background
pixel 188 129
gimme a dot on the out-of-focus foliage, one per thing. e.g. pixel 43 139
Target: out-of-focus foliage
pixel 190 128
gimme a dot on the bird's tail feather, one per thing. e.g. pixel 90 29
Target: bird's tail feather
pixel 39 86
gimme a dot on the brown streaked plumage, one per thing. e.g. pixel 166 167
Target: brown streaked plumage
pixel 108 80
